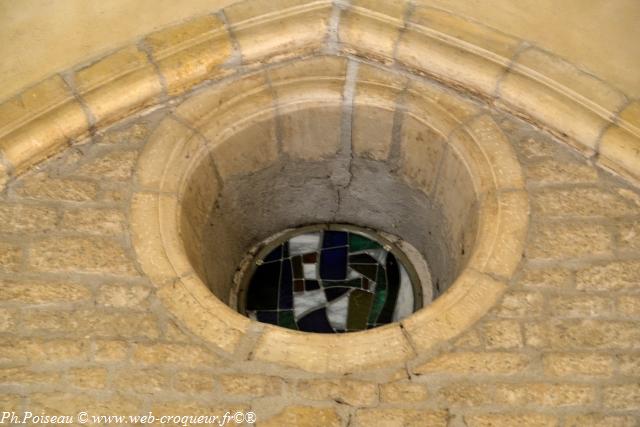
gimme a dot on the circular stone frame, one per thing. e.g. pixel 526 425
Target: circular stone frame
pixel 194 132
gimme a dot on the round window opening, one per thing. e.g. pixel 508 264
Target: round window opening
pixel 330 279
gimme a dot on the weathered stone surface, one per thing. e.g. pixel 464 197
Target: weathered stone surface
pixel 194 382
pixel 629 364
pixel 629 306
pixel 81 254
pixel 86 322
pixel 135 86
pixel 251 385
pixel 42 187
pixel 205 47
pixel 303 416
pixel 465 394
pixel 312 133
pixel 90 377
pixel 547 278
pixel 40 292
pixel 566 241
pixel 542 394
pixel 27 219
pixel 599 420
pixel 57 403
pixel 583 334
pixel 532 147
pixel 372 131
pixel 10 257
pixel 350 392
pixel 8 319
pixel 28 350
pixel 116 165
pixel 579 306
pixel 495 363
pixel 625 396
pixel 132 135
pixel 422 151
pixel 94 221
pixel 510 420
pixel 521 304
pixel 502 334
pixel 177 354
pixel 610 277
pixel 110 351
pixel 399 418
pixel 122 295
pixel 402 392
pixel 26 376
pixel 580 203
pixel 557 171
pixel 582 364
pixel 143 380
pixel 629 235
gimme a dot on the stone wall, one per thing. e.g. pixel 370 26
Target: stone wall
pixel 102 309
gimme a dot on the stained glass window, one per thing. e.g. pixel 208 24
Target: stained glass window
pixel 330 280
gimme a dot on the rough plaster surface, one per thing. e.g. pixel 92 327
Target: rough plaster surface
pixel 293 193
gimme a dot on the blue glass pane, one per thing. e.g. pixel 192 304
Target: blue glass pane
pixel 316 321
pixel 331 239
pixel 286 286
pixel 333 264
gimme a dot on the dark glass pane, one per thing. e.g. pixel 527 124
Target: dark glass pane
pixel 286 286
pixel 380 296
pixel 367 270
pixel 297 267
pixel 362 259
pixel 298 285
pixel 316 321
pixel 393 286
pixel 332 239
pixel 274 255
pixel 360 243
pixel 263 288
pixel 268 317
pixel 310 258
pixel 359 306
pixel 333 264
pixel 333 293
pixel 311 285
pixel 286 319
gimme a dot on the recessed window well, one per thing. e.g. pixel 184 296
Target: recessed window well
pixel 330 278
pixel 419 213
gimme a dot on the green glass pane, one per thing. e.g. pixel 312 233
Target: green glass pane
pixel 360 243
pixel 379 299
pixel 286 319
pixel 359 306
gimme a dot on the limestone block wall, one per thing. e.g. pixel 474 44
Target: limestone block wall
pixel 104 308
pixel 84 328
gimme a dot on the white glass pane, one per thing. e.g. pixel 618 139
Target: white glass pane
pixel 306 301
pixel 304 243
pixel 337 311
